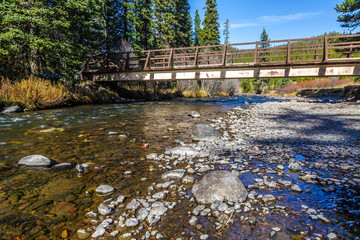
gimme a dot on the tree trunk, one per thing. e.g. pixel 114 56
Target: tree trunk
pixel 34 69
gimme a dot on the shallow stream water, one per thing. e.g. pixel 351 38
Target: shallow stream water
pixel 112 139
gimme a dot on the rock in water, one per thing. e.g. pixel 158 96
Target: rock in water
pixel 35 161
pixel 174 174
pixel 219 186
pixel 12 109
pixel 195 114
pixel 104 189
pixel 295 167
pixel 203 132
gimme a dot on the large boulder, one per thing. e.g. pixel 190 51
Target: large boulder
pixel 35 161
pixel 202 132
pixel 12 109
pixel 219 186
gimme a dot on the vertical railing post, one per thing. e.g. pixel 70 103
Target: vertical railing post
pixel 256 54
pixel 326 55
pixel 288 56
pixel 350 51
pixel 148 60
pixel 171 58
pixel 196 60
pixel 224 55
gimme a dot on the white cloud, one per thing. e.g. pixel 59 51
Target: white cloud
pixel 244 25
pixel 273 19
pixel 288 18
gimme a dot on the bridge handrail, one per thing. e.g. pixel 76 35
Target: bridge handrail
pixel 317 49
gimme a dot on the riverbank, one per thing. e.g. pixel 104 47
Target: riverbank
pixel 297 159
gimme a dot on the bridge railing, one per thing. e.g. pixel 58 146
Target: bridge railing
pixel 281 52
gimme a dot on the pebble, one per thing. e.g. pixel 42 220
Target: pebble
pixel 104 189
pixel 158 209
pixel 104 209
pixel 296 188
pixel 133 205
pixel 131 222
pixel 295 167
pixel 193 220
pixel 98 232
pixel 332 236
pixel 82 234
pixel 268 198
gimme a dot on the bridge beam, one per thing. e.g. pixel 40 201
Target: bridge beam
pixel 329 70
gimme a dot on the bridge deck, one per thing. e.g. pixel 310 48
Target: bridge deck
pixel 332 52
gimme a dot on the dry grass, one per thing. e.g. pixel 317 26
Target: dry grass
pixel 223 94
pixel 195 94
pixel 33 93
pixel 293 88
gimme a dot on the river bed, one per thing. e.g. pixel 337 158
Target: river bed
pixel 115 140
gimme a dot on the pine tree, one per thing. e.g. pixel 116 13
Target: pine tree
pixel 349 14
pixel 226 32
pixel 183 26
pixel 47 36
pixel 127 19
pixel 197 29
pixel 210 34
pixel 143 22
pixel 164 23
pixel 264 37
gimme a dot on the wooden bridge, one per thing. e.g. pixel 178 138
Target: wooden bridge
pixel 309 57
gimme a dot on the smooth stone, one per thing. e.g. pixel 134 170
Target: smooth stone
pixel 331 236
pixel 219 186
pixel 184 151
pixel 142 214
pixel 295 167
pixel 104 209
pixel 198 209
pixel 188 180
pixel 133 205
pixel 120 199
pixel 195 114
pixel 12 109
pixel 296 188
pixel 82 234
pixel 202 132
pixel 222 207
pixel 104 189
pixel 174 174
pixel 35 161
pixel 159 195
pixel 114 233
pixel 204 236
pixel 98 232
pixel 193 220
pixel 158 209
pixel 268 198
pixel 131 222
pixel 62 166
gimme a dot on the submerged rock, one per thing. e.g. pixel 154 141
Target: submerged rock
pixel 219 186
pixel 203 132
pixel 174 174
pixel 35 161
pixel 104 189
pixel 195 114
pixel 184 151
pixel 62 166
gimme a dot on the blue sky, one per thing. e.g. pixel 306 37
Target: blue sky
pixel 282 19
